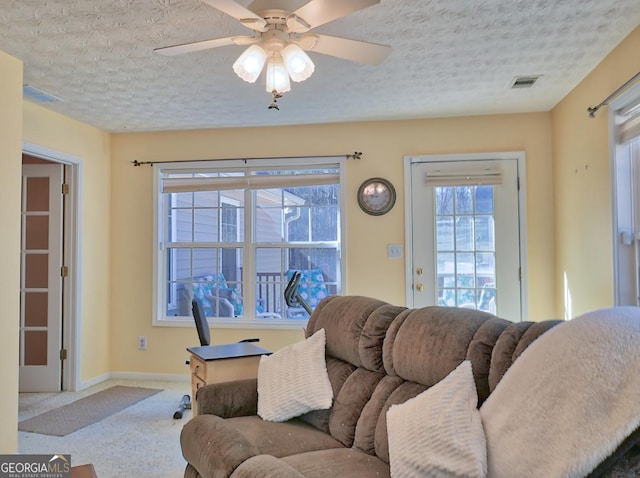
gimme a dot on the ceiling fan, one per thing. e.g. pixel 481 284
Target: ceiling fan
pixel 281 35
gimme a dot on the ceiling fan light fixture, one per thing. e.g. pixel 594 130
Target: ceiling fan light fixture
pixel 295 24
pixel 277 75
pixel 299 65
pixel 249 65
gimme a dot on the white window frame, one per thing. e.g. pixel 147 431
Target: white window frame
pixel 248 321
pixel 174 288
pixel 625 193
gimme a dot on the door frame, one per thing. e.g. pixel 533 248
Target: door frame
pixel 520 158
pixel 72 253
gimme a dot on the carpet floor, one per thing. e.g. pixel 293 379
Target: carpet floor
pixel 141 441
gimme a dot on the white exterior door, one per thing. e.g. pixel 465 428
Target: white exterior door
pixel 40 278
pixel 465 234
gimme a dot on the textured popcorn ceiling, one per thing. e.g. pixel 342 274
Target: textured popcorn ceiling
pixel 450 57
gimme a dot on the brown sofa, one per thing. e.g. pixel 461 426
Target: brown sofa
pixel 377 355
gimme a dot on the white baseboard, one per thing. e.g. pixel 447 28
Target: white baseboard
pixel 163 377
pixel 83 384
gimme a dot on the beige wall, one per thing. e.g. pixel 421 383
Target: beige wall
pixel 62 134
pixel 384 145
pixel 582 178
pixel 11 160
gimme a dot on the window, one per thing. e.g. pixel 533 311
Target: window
pixel 465 247
pixel 625 116
pixel 231 233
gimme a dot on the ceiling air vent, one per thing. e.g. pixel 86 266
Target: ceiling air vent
pixel 35 94
pixel 524 81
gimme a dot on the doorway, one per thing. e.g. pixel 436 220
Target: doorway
pixel 464 237
pixel 49 303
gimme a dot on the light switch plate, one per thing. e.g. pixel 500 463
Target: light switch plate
pixel 394 251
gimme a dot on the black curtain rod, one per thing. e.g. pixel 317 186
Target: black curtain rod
pixel 354 155
pixel 593 110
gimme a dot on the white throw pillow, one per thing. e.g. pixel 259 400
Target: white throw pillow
pixel 439 432
pixel 294 380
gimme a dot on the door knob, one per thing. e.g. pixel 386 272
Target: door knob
pixel 419 287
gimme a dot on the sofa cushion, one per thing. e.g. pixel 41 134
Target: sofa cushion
pixel 281 438
pixel 349 403
pixel 213 447
pixel 338 371
pixel 355 328
pixel 294 380
pixel 228 399
pixel 439 432
pixel 430 342
pixel 265 466
pixel 338 462
pixel 368 421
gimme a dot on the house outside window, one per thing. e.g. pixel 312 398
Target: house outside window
pixel 231 233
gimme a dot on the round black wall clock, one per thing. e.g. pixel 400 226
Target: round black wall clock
pixel 376 196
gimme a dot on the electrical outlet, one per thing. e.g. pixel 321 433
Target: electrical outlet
pixel 142 342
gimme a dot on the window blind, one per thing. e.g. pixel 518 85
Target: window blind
pixel 267 181
pixel 628 120
pixel 448 177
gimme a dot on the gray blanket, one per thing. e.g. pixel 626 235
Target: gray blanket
pixel 569 401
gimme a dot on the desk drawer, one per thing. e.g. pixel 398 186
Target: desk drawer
pixel 196 384
pixel 198 368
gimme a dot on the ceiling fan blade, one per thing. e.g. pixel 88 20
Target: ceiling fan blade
pixel 237 11
pixel 319 12
pixel 202 45
pixel 354 50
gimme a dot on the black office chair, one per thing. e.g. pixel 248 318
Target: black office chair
pixel 200 318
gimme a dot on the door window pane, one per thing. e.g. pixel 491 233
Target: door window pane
pixel 465 242
pixel 464 233
pixel 37 194
pixel 36 309
pixel 36 232
pixel 35 347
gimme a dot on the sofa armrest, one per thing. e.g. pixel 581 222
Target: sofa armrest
pixel 265 466
pixel 213 447
pixel 229 399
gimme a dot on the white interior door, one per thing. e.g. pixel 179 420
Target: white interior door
pixel 41 281
pixel 465 235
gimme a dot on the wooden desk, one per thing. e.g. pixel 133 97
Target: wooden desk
pixel 222 363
